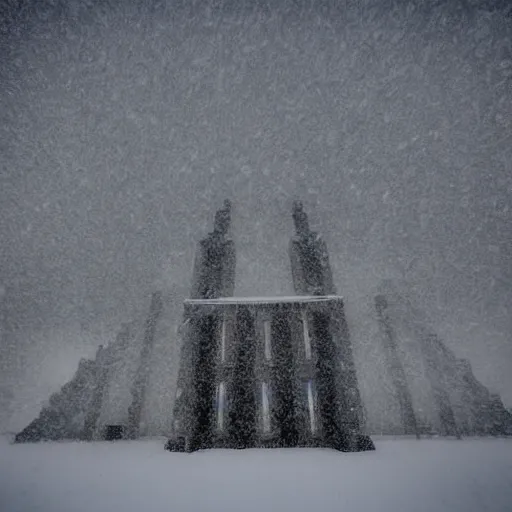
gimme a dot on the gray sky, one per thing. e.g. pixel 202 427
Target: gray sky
pixel 125 124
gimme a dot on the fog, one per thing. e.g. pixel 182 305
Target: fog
pixel 125 124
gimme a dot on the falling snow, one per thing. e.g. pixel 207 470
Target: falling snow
pixel 124 125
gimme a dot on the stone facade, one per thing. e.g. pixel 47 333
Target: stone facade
pixel 264 372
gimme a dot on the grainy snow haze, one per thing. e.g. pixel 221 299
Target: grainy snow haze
pixel 125 124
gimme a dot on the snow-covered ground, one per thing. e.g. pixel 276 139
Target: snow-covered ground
pixel 431 475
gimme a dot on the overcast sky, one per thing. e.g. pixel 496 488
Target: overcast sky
pixel 125 124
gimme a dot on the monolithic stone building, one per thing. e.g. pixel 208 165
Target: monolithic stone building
pixel 272 371
pixel 266 371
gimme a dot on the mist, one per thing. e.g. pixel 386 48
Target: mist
pixel 125 124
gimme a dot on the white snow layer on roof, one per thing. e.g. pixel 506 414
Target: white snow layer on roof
pixel 265 300
pixel 402 475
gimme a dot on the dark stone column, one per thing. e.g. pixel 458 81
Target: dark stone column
pixel 204 339
pixel 213 277
pixel 348 388
pixel 328 401
pixel 242 413
pixel 214 267
pixel 311 272
pixel 436 377
pixel 283 379
pixel 103 367
pixel 142 376
pixel 396 369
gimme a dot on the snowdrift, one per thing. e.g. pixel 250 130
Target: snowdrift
pixel 402 475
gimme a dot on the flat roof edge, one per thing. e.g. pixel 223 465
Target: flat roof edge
pixel 223 301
